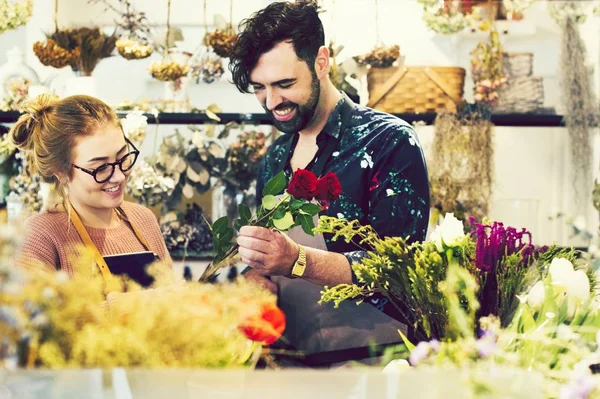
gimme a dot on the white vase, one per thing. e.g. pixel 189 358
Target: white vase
pixel 77 85
pixel 15 68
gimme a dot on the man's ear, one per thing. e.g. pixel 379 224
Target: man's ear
pixel 322 64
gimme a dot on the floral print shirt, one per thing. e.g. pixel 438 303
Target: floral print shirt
pixel 381 168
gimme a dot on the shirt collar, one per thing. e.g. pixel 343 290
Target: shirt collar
pixel 334 122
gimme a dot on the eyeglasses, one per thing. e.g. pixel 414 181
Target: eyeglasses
pixel 104 172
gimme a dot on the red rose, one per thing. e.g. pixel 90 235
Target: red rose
pixel 303 184
pixel 329 187
pixel 266 327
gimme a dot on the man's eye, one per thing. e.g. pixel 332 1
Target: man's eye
pixel 257 88
pixel 286 86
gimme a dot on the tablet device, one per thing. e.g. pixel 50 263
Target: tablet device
pixel 132 265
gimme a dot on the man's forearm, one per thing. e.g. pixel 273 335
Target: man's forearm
pixel 326 268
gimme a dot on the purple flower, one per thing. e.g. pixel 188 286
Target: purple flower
pixel 422 351
pixel 578 388
pixel 486 347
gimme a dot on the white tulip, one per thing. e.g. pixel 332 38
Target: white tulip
pixel 560 271
pixel 578 286
pixel 396 366
pixel 449 233
pixel 536 296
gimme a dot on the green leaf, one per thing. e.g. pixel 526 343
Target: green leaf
pixel 296 203
pixel 276 185
pixel 269 202
pixel 279 213
pixel 409 345
pixel 244 211
pixel 220 224
pixel 311 209
pixel 306 221
pixel 240 223
pixel 284 223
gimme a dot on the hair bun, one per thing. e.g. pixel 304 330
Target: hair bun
pixel 29 123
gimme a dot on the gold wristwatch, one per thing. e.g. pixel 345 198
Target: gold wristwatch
pixel 300 265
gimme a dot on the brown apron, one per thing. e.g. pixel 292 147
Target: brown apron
pixel 314 328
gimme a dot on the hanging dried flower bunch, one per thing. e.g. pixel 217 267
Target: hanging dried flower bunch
pixel 221 41
pixel 83 48
pixel 168 71
pixel 51 54
pixel 133 44
pixel 133 49
pixel 380 57
pixel 208 68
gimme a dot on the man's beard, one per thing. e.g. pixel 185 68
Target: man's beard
pixel 304 113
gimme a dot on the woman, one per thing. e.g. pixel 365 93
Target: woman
pixel 77 145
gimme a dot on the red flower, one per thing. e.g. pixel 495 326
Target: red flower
pixel 329 188
pixel 266 327
pixel 303 184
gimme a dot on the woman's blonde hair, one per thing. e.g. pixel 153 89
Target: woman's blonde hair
pixel 49 129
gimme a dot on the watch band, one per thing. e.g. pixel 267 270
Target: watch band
pixel 300 264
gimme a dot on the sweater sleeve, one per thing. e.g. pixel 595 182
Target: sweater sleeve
pixel 38 249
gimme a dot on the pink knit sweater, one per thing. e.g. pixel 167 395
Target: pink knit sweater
pixel 50 238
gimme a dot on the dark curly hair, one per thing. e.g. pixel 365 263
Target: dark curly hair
pixel 296 22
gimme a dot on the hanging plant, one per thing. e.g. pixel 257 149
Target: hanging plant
pixel 223 38
pixel 561 11
pixel 81 48
pixel 134 28
pixel 168 70
pixel 461 172
pixel 515 8
pixel 487 69
pixel 207 66
pixel 14 14
pixel 380 57
pixel 442 18
pixel 581 106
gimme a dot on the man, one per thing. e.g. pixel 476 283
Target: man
pixel 281 57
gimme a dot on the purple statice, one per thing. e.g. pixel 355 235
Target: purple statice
pixel 496 241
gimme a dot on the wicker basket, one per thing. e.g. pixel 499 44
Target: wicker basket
pixel 518 65
pixel 415 89
pixel 521 95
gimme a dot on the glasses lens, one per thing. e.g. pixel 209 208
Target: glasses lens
pixel 128 160
pixel 104 173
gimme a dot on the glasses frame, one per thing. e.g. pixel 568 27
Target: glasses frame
pixel 119 162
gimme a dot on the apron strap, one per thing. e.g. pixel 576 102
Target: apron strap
pixel 136 231
pixel 89 244
pixel 87 241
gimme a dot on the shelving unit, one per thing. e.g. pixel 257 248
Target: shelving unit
pixel 516 120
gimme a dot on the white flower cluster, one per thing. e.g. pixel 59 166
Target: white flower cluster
pixel 561 11
pixel 14 13
pixel 148 186
pixel 134 126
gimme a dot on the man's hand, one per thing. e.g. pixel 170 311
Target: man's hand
pixel 269 252
pixel 257 278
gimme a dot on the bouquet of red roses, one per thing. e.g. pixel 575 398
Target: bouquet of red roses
pixel 283 207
